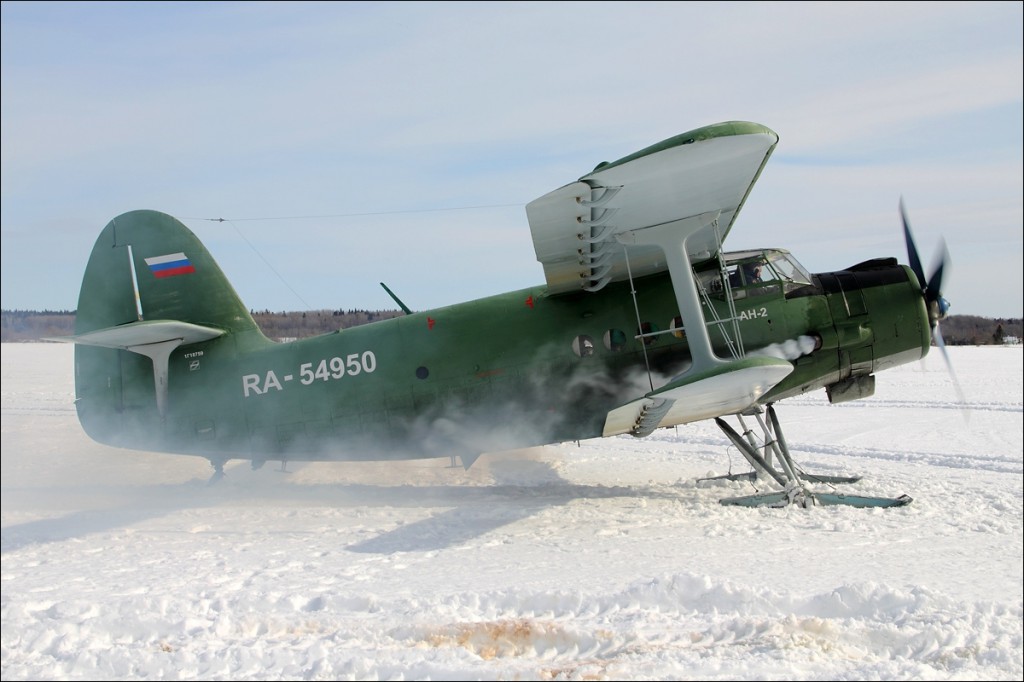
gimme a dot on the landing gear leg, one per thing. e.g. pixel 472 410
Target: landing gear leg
pixel 218 471
pixel 787 476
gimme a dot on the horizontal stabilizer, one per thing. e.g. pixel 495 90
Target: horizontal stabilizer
pixel 143 333
pixel 728 388
pixel 156 339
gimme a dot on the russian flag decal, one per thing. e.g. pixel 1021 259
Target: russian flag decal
pixel 170 265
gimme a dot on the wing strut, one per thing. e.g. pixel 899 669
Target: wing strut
pixel 671 238
pixel 639 324
pixel 735 347
pixel 711 386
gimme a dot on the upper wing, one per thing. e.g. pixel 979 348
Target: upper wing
pixel 705 172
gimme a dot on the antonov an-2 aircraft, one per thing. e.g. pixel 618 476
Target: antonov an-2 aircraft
pixel 643 322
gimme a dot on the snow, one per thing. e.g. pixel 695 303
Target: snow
pixel 602 560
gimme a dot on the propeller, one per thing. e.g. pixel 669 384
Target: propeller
pixel 931 290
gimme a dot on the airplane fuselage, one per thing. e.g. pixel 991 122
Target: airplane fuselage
pixel 514 370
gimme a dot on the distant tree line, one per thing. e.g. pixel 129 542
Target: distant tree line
pixel 33 325
pixel 299 325
pixel 971 330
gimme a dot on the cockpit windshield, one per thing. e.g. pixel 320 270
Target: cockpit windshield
pixel 757 273
pixel 787 269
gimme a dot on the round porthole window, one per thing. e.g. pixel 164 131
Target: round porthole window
pixel 615 340
pixel 677 328
pixel 583 346
pixel 647 328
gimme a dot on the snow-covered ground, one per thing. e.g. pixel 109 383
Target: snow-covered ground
pixel 603 560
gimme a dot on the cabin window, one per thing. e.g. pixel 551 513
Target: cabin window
pixel 615 340
pixel 752 277
pixel 647 333
pixel 748 273
pixel 583 346
pixel 676 325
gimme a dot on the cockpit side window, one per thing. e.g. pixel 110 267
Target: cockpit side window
pixel 751 277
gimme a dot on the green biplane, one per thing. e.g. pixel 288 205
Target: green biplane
pixel 643 322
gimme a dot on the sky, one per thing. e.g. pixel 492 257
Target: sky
pixel 610 559
pixel 348 144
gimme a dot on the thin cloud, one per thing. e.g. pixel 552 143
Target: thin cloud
pixel 267 109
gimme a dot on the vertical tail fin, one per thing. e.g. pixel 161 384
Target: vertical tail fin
pixel 149 289
pixel 147 265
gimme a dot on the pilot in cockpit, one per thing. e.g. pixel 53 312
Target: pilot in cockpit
pixel 752 273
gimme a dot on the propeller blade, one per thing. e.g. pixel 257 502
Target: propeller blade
pixel 933 292
pixel 912 255
pixel 931 287
pixel 961 400
pixel 936 305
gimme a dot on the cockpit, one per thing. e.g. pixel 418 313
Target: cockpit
pixel 760 272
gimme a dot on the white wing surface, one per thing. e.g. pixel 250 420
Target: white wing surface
pixel 706 172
